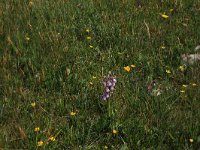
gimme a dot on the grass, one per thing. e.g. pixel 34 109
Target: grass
pixel 54 56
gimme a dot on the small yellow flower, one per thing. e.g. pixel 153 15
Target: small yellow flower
pixel 184 85
pixel 52 138
pixel 37 129
pixel 127 68
pixel 91 46
pixel 33 104
pixel 91 83
pixel 114 131
pixel 194 84
pixel 40 143
pixel 106 147
pixel 89 37
pixel 191 140
pixel 27 38
pixel 162 47
pixel 182 91
pixel 87 30
pixel 72 113
pixel 181 68
pixel 164 16
pixel 133 66
pixel 168 71
pixel 94 77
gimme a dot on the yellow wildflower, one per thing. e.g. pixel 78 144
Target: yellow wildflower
pixel 89 37
pixel 37 129
pixel 194 84
pixel 94 77
pixel 164 16
pixel 52 138
pixel 91 46
pixel 184 85
pixel 114 131
pixel 27 38
pixel 133 66
pixel 72 113
pixel 87 30
pixel 181 68
pixel 182 91
pixel 40 143
pixel 106 147
pixel 33 104
pixel 162 47
pixel 127 68
pixel 168 71
pixel 91 83
pixel 191 140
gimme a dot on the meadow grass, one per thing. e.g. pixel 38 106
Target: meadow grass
pixel 55 54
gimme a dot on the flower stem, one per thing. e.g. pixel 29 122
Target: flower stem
pixel 109 109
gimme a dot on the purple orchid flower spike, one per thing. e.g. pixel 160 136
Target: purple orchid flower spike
pixel 109 83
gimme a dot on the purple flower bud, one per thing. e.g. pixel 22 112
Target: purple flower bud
pixel 109 83
pixel 114 80
pixel 107 90
pixel 107 95
pixel 104 98
pixel 112 88
pixel 113 84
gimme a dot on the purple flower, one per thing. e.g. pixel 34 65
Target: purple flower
pixel 112 88
pixel 107 89
pixel 109 83
pixel 105 96
pixel 114 80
